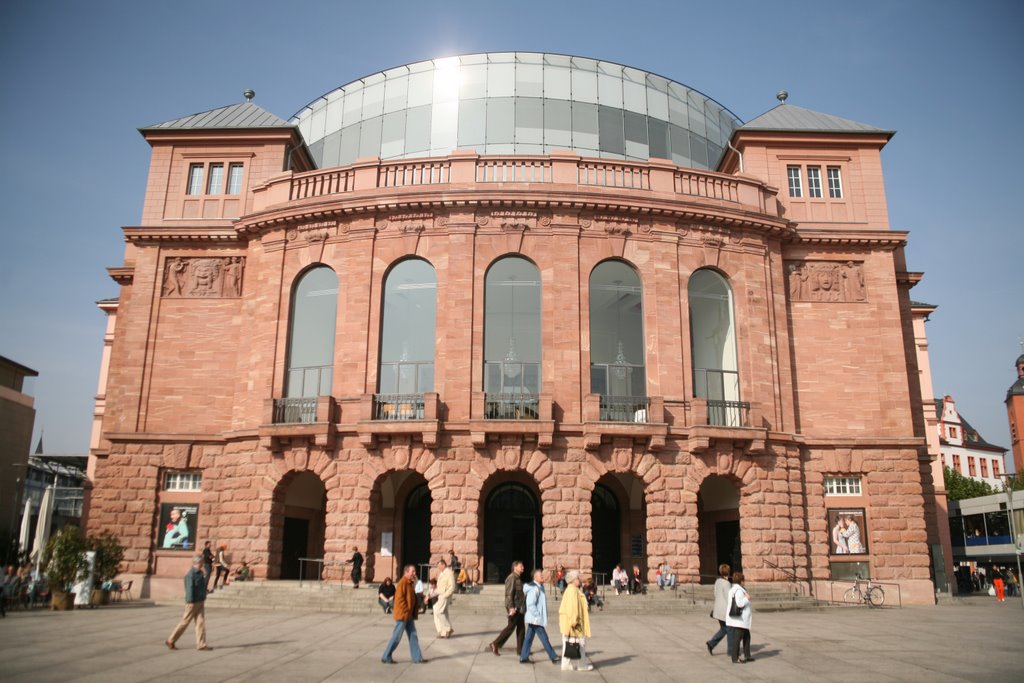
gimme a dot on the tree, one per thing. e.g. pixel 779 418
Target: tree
pixel 1016 482
pixel 959 487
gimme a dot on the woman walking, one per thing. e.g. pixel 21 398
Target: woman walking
pixel 739 625
pixel 721 610
pixel 536 618
pixel 574 623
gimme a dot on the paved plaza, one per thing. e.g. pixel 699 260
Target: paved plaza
pixel 975 640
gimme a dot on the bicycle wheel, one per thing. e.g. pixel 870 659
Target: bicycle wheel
pixel 853 597
pixel 875 596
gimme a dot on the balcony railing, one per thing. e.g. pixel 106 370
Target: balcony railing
pixel 625 409
pixel 728 413
pixel 512 406
pixel 398 407
pixel 295 410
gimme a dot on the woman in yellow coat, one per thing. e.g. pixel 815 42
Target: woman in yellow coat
pixel 574 622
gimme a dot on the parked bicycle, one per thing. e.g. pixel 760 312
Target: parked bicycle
pixel 873 595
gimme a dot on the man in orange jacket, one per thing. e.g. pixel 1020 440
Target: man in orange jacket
pixel 405 618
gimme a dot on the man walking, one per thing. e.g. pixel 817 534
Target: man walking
pixel 445 590
pixel 405 618
pixel 515 606
pixel 721 610
pixel 195 607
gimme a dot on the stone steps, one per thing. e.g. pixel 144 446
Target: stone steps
pixel 486 600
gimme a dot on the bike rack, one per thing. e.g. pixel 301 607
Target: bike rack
pixel 849 583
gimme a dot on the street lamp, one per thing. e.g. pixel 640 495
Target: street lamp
pixel 1008 488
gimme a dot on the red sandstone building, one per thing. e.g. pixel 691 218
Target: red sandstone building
pixel 519 306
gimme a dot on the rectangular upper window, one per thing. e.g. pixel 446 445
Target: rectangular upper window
pixel 842 486
pixel 995 469
pixel 183 480
pixel 970 467
pixel 956 464
pixel 984 467
pixel 835 183
pixel 195 179
pixel 234 179
pixel 795 185
pixel 814 181
pixel 216 179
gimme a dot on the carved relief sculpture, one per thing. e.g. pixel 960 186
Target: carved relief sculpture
pixel 196 278
pixel 826 281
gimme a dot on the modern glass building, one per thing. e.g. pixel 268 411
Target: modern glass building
pixel 516 103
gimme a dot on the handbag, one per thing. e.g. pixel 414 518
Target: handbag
pixel 734 609
pixel 572 648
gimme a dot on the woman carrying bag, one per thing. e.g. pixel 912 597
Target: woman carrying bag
pixel 738 619
pixel 574 625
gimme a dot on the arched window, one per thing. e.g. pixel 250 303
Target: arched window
pixel 407 337
pixel 512 346
pixel 617 333
pixel 713 337
pixel 311 334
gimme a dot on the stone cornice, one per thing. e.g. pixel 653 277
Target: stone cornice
pixel 122 275
pixel 851 238
pixel 184 233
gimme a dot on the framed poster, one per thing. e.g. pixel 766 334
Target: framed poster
pixel 847 531
pixel 387 541
pixel 178 525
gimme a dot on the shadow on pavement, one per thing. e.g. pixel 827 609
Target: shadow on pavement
pixel 605 663
pixel 245 646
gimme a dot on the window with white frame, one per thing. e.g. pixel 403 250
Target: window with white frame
pixel 814 181
pixel 795 184
pixel 842 486
pixel 195 179
pixel 183 480
pixel 216 179
pixel 835 183
pixel 234 179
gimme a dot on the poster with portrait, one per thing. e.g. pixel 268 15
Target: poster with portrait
pixel 178 525
pixel 847 531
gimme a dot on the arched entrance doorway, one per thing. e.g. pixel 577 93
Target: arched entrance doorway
pixel 512 531
pixel 416 528
pixel 400 524
pixel 718 514
pixel 618 525
pixel 303 525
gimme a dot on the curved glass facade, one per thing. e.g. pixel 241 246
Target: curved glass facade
pixel 516 103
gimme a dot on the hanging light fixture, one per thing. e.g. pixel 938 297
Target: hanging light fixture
pixel 620 364
pixel 620 367
pixel 510 366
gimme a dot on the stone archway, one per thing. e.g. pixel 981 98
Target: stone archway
pixel 298 526
pixel 398 535
pixel 618 524
pixel 718 526
pixel 512 526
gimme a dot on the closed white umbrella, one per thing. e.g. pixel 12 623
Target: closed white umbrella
pixel 43 527
pixel 26 526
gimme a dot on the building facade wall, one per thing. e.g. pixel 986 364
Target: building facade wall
pixel 192 378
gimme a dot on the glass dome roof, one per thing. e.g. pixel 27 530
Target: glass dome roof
pixel 516 103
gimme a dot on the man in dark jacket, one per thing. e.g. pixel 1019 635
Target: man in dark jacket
pixel 195 606
pixel 515 606
pixel 405 618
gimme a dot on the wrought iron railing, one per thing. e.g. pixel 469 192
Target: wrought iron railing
pixel 294 410
pixel 511 406
pixel 625 409
pixel 728 413
pixel 398 406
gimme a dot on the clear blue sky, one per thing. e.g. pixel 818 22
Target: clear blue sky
pixel 78 78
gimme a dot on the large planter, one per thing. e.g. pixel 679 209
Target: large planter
pixel 99 597
pixel 61 601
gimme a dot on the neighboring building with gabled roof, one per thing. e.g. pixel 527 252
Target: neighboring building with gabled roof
pixel 234 116
pixel 964 449
pixel 792 119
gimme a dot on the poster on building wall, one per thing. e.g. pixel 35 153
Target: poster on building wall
pixel 848 531
pixel 178 525
pixel 387 541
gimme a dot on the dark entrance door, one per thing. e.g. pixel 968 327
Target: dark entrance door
pixel 606 532
pixel 512 531
pixel 296 542
pixel 727 544
pixel 416 528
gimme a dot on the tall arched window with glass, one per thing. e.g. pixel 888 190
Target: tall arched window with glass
pixel 617 371
pixel 512 346
pixel 407 341
pixel 716 375
pixel 311 327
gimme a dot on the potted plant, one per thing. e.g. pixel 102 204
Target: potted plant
pixel 65 564
pixel 109 554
